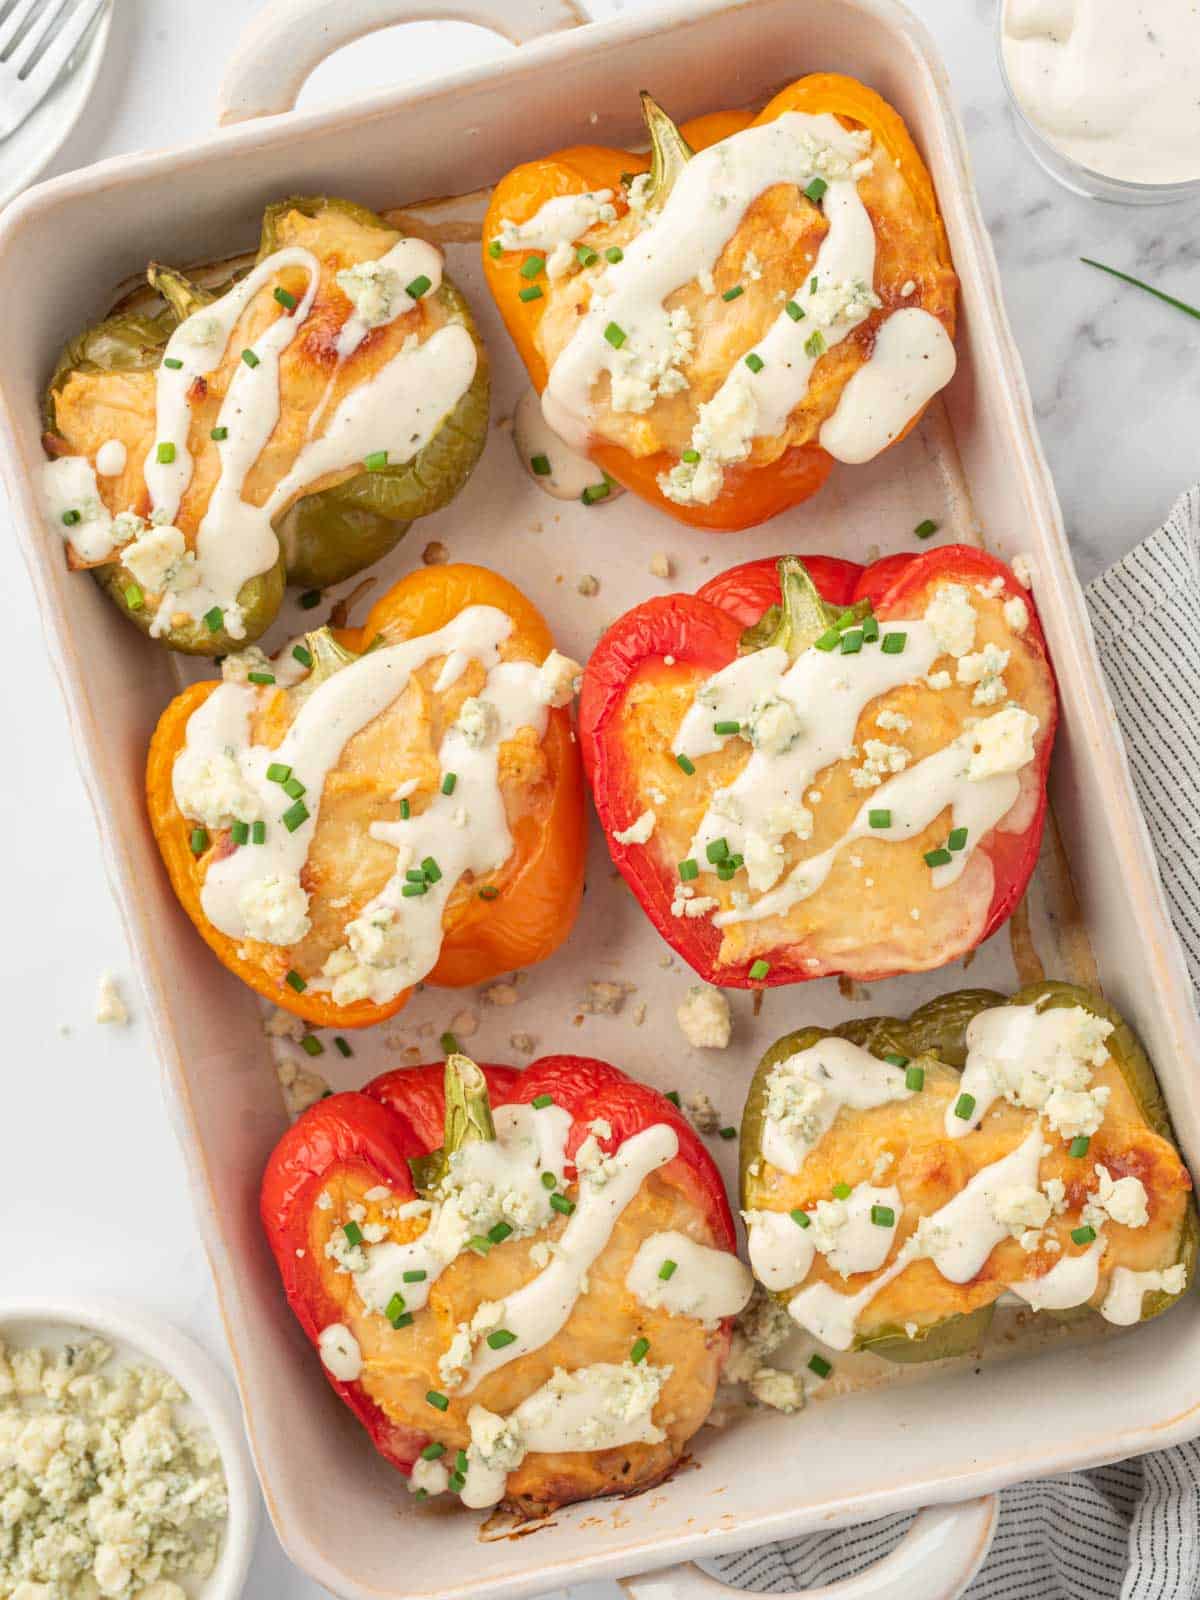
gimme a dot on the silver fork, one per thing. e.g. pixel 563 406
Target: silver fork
pixel 36 41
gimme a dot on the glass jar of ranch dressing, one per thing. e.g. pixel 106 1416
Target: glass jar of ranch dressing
pixel 1107 93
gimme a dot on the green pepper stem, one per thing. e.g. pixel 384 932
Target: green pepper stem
pixel 468 1120
pixel 669 151
pixel 802 617
pixel 181 294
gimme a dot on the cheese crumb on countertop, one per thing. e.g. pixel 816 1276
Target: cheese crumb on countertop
pixel 110 1007
pixel 703 1015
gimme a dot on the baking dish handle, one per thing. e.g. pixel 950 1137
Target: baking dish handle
pixel 288 39
pixel 936 1559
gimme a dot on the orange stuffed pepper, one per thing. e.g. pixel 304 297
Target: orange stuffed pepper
pixel 379 806
pixel 715 324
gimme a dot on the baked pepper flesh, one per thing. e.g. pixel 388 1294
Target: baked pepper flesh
pixel 519 1281
pixel 285 423
pixel 382 805
pixel 853 783
pixel 900 1175
pixel 714 323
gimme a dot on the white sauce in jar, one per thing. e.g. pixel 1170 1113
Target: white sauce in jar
pixel 1113 86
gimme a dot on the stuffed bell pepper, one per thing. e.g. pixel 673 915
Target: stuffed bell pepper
pixel 717 323
pixel 899 1177
pixel 520 1283
pixel 379 806
pixel 852 782
pixel 286 423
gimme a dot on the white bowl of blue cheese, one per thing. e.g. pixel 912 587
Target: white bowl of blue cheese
pixel 124 1474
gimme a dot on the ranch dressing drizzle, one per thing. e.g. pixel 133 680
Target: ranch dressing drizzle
pixel 540 1309
pixel 781 1251
pixel 534 440
pixel 404 263
pixel 110 459
pixel 806 1091
pixel 1025 1053
pixel 558 221
pixel 1112 86
pixel 1122 1304
pixel 69 485
pixel 862 1245
pixel 679 242
pixel 707 1284
pixel 912 360
pixel 1071 1281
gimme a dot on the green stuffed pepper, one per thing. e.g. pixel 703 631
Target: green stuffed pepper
pixel 277 419
pixel 899 1176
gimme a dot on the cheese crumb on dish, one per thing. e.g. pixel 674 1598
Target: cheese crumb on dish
pixel 110 1007
pixel 704 1018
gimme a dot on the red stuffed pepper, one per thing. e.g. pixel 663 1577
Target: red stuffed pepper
pixel 519 1282
pixel 845 774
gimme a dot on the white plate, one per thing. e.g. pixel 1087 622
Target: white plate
pixel 38 140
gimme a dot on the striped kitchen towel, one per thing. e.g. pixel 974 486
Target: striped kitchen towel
pixel 1130 1531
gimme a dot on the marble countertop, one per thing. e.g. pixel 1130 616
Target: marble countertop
pixel 1116 385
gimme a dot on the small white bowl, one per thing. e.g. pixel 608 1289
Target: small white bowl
pixel 138 1337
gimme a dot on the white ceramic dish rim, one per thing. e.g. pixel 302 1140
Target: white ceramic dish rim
pixel 210 1391
pixel 1058 589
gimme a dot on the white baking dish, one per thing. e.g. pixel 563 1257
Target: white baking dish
pixel 929 1437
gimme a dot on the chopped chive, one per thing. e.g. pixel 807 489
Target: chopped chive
pixel 278 773
pixel 615 335
pixel 456 1481
pixel 673 1096
pixel 893 643
pixel 239 832
pixel 499 1232
pixel 421 1494
pixel 532 291
pixel 480 1243
pixel 879 818
pixel 376 461
pixel 419 286
pixel 541 1101
pixel 218 434
pixel 668 1270
pixel 1079 1146
pixel 690 456
pixel 449 1044
pixel 436 1399
pixel 732 294
pixel 964 1107
pixel 759 970
pixel 495 249
pixel 639 1351
pixel 937 858
pixel 415 1275
pixel 293 788
pixel 549 1181
pixel 727 1133
pixel 71 518
pixel 820 1366
pixel 717 850
pixel 559 1202
pixel 614 253
pixel 685 765
pixel 431 869
pixel 501 1337
pixel 852 641
pixel 448 782
pixel 816 189
pixel 460 1461
pixel 531 266
pixel 394 1308
pixel 411 890
pixel 309 599
pixel 755 362
pixel 793 311
pixel 1083 1235
pixel 914 1078
pixel 173 362
pixel 249 358
pixel 405 810
pixel 353 1233
pixel 724 728
pixel 199 841
pixel 726 871
pixel 295 981
pixel 540 465
pixel 870 629
pixel 924 529
pixel 261 677
pixel 295 814
pixel 213 619
pixel 165 453
pixel 343 1049
pixel 594 492
pixel 586 256
pixel 286 299
pixel 812 284
pixel 302 654
pixel 829 640
pixel 883 1216
pixel 133 597
pixel 895 1059
pixel 957 839
pixel 489 891
pixel 841 1191
pixel 689 869
pixel 801 1218
pixel 814 345
pixel 432 1451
